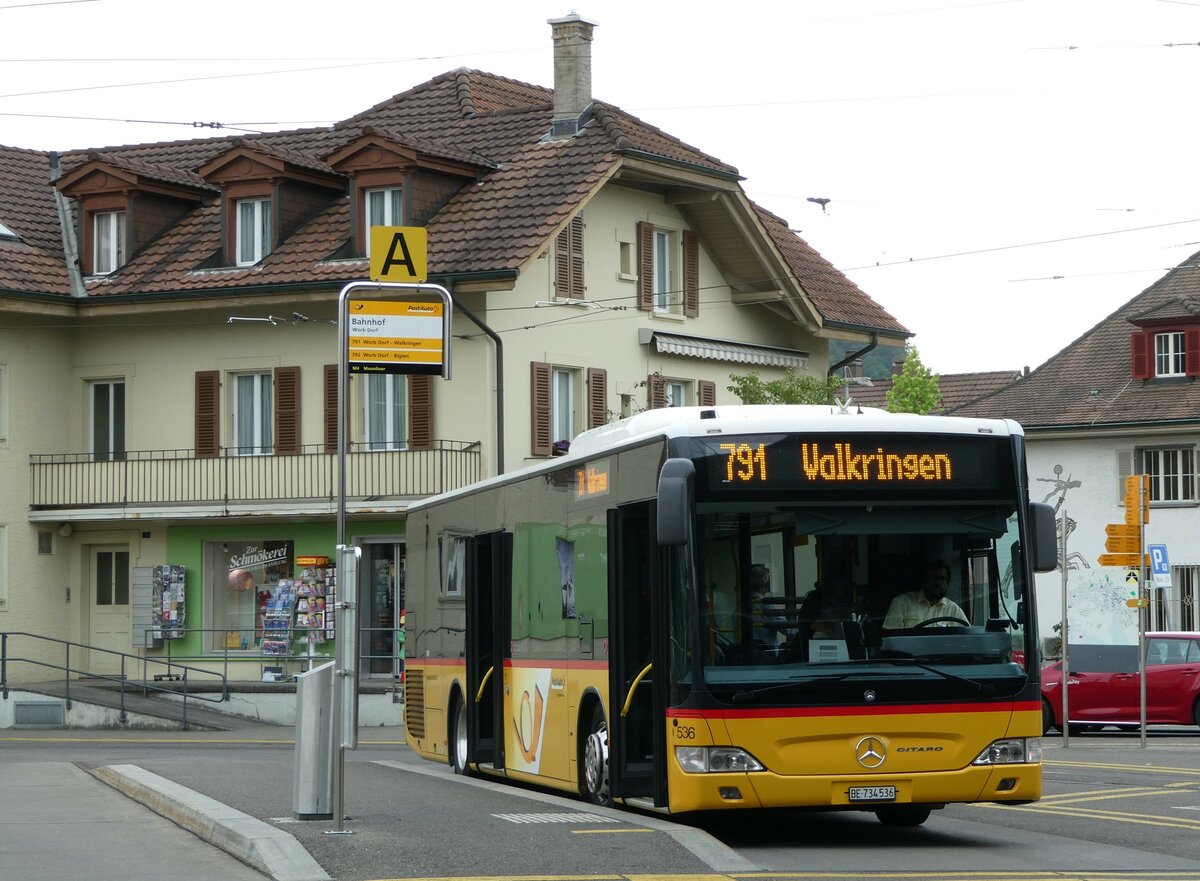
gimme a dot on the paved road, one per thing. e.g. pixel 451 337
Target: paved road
pixel 1111 806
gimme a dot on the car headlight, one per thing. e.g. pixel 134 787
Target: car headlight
pixel 715 759
pixel 1011 751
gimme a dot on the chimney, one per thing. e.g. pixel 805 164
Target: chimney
pixel 572 73
pixel 897 367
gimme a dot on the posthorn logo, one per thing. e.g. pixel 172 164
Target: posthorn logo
pixel 870 752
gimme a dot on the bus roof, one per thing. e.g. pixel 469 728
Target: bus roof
pixel 673 422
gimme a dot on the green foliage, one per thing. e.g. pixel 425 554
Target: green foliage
pixel 788 389
pixel 916 389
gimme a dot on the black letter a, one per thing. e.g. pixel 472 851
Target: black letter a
pixel 389 261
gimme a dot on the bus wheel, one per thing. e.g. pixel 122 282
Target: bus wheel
pixel 458 737
pixel 1047 717
pixel 595 760
pixel 903 815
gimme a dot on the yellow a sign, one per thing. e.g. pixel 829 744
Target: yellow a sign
pixel 398 253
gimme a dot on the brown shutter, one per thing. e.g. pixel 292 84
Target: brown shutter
pixel 706 393
pixel 287 411
pixel 656 392
pixel 1143 367
pixel 331 408
pixel 208 413
pixel 539 407
pixel 597 397
pixel 420 412
pixel 568 260
pixel 1191 350
pixel 691 274
pixel 645 258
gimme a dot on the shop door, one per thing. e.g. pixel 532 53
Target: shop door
pixel 489 586
pixel 110 615
pixel 380 637
pixel 636 601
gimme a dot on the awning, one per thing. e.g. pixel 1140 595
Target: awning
pixel 723 350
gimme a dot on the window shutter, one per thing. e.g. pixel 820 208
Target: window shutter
pixel 1191 348
pixel 420 412
pixel 706 393
pixel 1143 366
pixel 539 408
pixel 597 396
pixel 287 411
pixel 331 408
pixel 656 392
pixel 1124 469
pixel 691 274
pixel 568 260
pixel 645 258
pixel 208 414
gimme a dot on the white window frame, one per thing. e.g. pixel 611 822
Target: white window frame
pixel 1172 473
pixel 385 410
pixel 256 437
pixel 562 404
pixel 252 231
pixel 111 447
pixel 108 242
pixel 3 568
pixel 387 204
pixel 663 280
pixel 1170 354
pixel 676 391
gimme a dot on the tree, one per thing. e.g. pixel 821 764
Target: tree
pixel 916 389
pixel 788 389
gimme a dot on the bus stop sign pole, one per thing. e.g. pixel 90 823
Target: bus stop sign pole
pixel 387 353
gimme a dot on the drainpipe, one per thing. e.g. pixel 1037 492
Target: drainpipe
pixel 499 382
pixel 67 225
pixel 849 359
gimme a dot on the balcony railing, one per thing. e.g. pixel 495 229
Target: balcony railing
pixel 178 477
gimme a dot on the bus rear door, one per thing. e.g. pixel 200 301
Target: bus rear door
pixel 489 589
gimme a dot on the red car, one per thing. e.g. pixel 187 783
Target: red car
pixel 1097 699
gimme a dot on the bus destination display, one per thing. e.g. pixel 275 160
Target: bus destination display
pixel 855 461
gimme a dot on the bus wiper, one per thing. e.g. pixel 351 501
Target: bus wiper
pixel 743 696
pixel 984 688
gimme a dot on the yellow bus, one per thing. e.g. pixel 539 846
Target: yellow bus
pixel 737 607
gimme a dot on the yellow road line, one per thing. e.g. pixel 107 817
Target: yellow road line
pixel 1112 766
pixel 608 831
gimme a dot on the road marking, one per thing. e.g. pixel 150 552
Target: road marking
pixel 1141 769
pixel 1034 875
pixel 607 831
pixel 556 818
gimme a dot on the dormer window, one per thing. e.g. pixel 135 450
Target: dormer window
pixel 1166 353
pixel 108 231
pixel 382 207
pixel 253 230
pixel 1170 354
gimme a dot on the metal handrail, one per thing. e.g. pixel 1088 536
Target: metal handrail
pixel 122 680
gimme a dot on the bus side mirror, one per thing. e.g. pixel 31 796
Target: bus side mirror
pixel 1044 535
pixel 674 501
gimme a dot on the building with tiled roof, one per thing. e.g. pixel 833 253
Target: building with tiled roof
pixel 956 389
pixel 1123 399
pixel 169 349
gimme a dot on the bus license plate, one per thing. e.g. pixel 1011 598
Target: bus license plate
pixel 872 793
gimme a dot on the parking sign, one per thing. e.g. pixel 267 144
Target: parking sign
pixel 1160 566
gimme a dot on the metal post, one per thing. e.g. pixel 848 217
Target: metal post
pixel 1143 605
pixel 1063 631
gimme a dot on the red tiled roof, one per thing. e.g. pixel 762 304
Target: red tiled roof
pixel 35 262
pixel 528 186
pixel 957 388
pixel 1090 381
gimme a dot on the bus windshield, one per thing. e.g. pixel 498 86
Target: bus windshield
pixel 900 590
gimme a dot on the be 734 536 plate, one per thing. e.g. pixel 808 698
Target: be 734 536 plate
pixel 872 793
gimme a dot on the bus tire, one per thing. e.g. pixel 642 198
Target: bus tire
pixel 903 815
pixel 458 736
pixel 1047 717
pixel 594 780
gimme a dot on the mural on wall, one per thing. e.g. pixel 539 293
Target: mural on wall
pixel 1073 560
pixel 1099 615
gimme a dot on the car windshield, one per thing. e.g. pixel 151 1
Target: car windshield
pixel 812 605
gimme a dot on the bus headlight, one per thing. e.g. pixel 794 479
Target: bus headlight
pixel 715 759
pixel 1011 751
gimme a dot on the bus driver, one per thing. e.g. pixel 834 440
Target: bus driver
pixel 929 601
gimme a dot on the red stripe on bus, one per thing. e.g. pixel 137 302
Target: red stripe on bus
pixel 856 710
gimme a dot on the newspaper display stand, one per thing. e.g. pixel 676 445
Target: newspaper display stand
pixel 168 612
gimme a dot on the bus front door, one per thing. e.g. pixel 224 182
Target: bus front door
pixel 636 642
pixel 489 588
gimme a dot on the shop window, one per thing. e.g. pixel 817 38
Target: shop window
pixel 240 577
